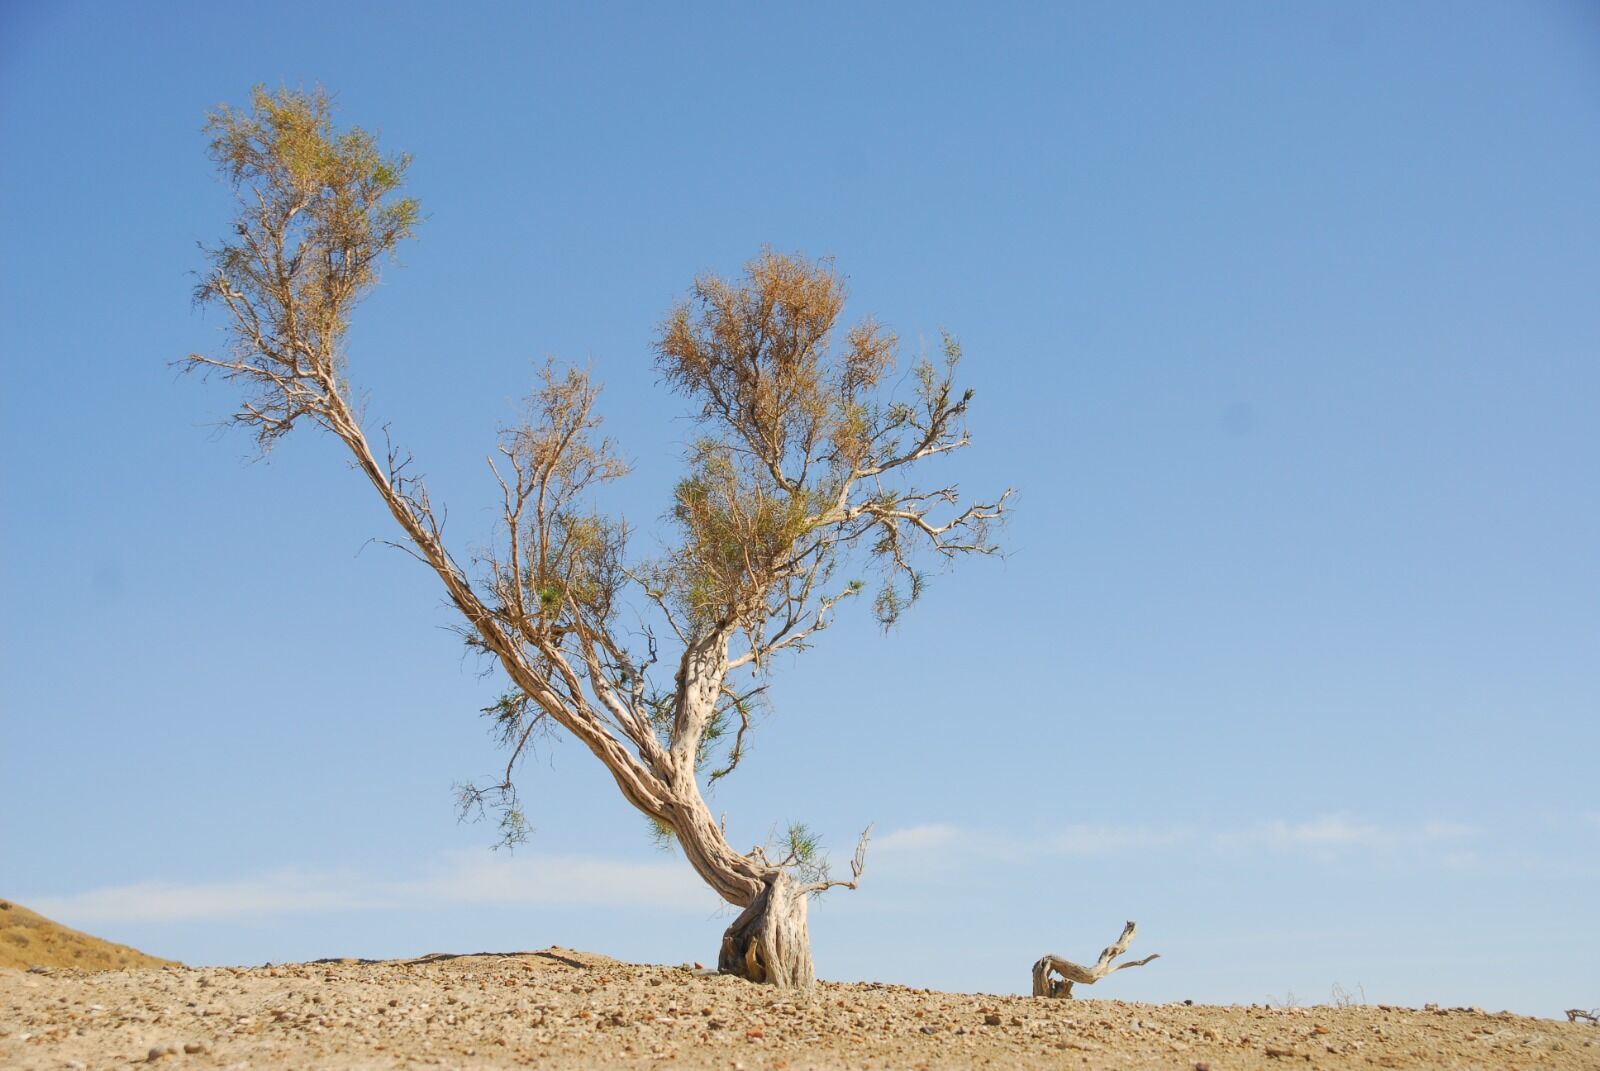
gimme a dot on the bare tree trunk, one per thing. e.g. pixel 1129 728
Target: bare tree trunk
pixel 769 941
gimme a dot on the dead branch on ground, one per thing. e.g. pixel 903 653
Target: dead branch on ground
pixel 1045 986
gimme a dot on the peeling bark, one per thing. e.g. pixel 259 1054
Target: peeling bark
pixel 1045 986
pixel 736 878
pixel 769 941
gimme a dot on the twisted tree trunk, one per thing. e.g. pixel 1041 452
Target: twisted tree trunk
pixel 769 941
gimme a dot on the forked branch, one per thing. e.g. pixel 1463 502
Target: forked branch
pixel 1046 986
pixel 858 864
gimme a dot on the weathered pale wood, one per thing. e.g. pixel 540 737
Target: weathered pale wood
pixel 769 942
pixel 1046 986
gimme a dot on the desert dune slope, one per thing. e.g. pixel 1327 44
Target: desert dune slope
pixel 562 1009
pixel 28 940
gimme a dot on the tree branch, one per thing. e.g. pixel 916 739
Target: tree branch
pixel 858 866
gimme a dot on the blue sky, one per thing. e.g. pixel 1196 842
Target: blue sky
pixel 1281 318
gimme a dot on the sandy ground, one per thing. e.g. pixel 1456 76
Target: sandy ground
pixel 563 1009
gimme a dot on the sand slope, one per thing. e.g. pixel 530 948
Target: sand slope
pixel 31 940
pixel 563 1009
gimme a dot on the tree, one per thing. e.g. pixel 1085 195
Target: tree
pixel 802 469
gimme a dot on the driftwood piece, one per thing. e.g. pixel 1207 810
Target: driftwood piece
pixel 1046 986
pixel 1574 1014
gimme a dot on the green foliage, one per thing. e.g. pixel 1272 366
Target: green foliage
pixel 516 721
pixel 318 212
pixel 744 707
pixel 736 529
pixel 663 836
pixel 332 188
pixel 514 827
pixel 802 462
pixel 475 803
pixel 802 851
pixel 563 567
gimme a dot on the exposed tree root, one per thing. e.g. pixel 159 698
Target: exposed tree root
pixel 1045 986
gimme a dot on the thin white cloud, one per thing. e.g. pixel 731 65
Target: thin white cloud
pixel 925 838
pixel 1324 834
pixel 1109 840
pixel 479 878
pixel 944 838
pixel 1341 831
pixel 1327 831
pixel 280 892
pixel 944 843
pixel 669 885
pixel 465 878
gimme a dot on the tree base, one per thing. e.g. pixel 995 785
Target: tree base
pixel 769 942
